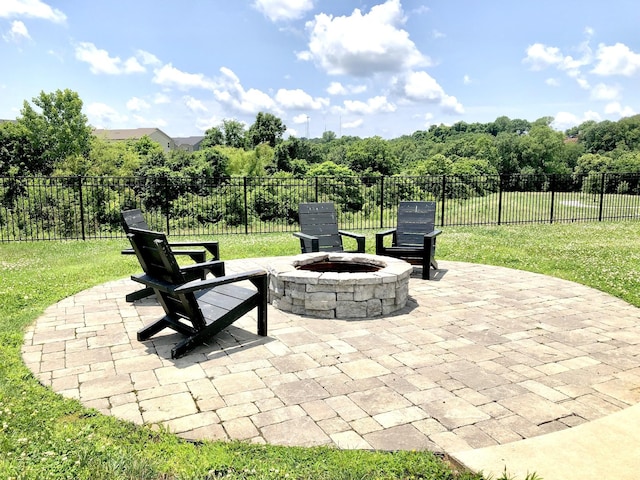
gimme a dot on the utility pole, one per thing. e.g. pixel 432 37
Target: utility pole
pixel 307 127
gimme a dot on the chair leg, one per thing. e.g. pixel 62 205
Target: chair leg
pixel 137 295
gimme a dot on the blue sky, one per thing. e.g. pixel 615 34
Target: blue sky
pixel 353 67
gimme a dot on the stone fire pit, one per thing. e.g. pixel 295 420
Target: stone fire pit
pixel 339 285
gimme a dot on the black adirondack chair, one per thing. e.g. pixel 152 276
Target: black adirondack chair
pixel 198 308
pixel 414 238
pixel 320 233
pixel 134 219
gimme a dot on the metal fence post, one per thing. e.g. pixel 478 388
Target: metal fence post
pixel 80 199
pixel 602 185
pixel 246 208
pixel 553 197
pixel 500 188
pixel 382 202
pixel 444 196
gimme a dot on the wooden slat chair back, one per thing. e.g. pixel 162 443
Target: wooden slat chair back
pixel 319 229
pixel 414 238
pixel 415 220
pixel 198 308
pixel 196 250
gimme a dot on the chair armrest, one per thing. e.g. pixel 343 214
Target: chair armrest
pixel 212 247
pixel 384 233
pixel 360 239
pixel 434 233
pixel 315 243
pixel 196 285
pixel 380 240
pixel 216 267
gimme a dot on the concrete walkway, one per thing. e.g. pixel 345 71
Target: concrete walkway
pixel 479 358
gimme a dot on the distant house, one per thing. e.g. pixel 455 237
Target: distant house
pixel 189 144
pixel 154 134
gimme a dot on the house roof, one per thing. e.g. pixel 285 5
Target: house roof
pixel 126 133
pixel 193 140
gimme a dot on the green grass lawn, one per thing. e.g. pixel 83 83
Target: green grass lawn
pixel 45 436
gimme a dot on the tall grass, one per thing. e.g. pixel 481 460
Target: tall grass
pixel 45 436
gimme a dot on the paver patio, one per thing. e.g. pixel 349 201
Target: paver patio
pixel 479 357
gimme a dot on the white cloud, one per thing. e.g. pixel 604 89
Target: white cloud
pixel 102 115
pixel 466 80
pixel 354 124
pixel 540 56
pixel 605 92
pixel 230 92
pixel 336 88
pixel 565 120
pixel 614 108
pixel 131 65
pixel 300 119
pixel 299 100
pixel 147 58
pixel 147 123
pixel 169 76
pixel 100 61
pixel 422 87
pixel 362 45
pixel 30 9
pixel 194 104
pixel 204 124
pixel 276 10
pixel 18 32
pixel 374 105
pixel 161 98
pixel 552 82
pixel 616 59
pixel 136 104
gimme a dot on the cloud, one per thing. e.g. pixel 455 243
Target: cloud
pixel 616 59
pixel 614 108
pixel 552 82
pixel 161 98
pixel 467 80
pixel 229 91
pixel 147 58
pixel 169 76
pixel 100 62
pixel 336 88
pixel 540 56
pixel 30 9
pixel 276 10
pixel 102 115
pixel 351 125
pixel 423 88
pixel 299 100
pixel 605 92
pixel 17 33
pixel 374 105
pixel 362 45
pixel 136 104
pixel 156 122
pixel 194 104
pixel 300 119
pixel 565 120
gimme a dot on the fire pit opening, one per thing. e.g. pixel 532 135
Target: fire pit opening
pixel 339 285
pixel 340 267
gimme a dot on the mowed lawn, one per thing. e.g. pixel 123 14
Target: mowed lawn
pixel 45 436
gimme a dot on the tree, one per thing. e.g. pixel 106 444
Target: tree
pixel 59 129
pixel 372 155
pixel 266 129
pixel 234 133
pixel 213 137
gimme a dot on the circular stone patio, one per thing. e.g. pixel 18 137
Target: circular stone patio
pixel 478 357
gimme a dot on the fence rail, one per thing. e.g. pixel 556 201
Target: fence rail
pixel 56 208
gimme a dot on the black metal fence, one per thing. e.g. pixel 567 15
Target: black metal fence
pixel 55 208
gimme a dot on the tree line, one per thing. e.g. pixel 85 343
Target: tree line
pixel 52 137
